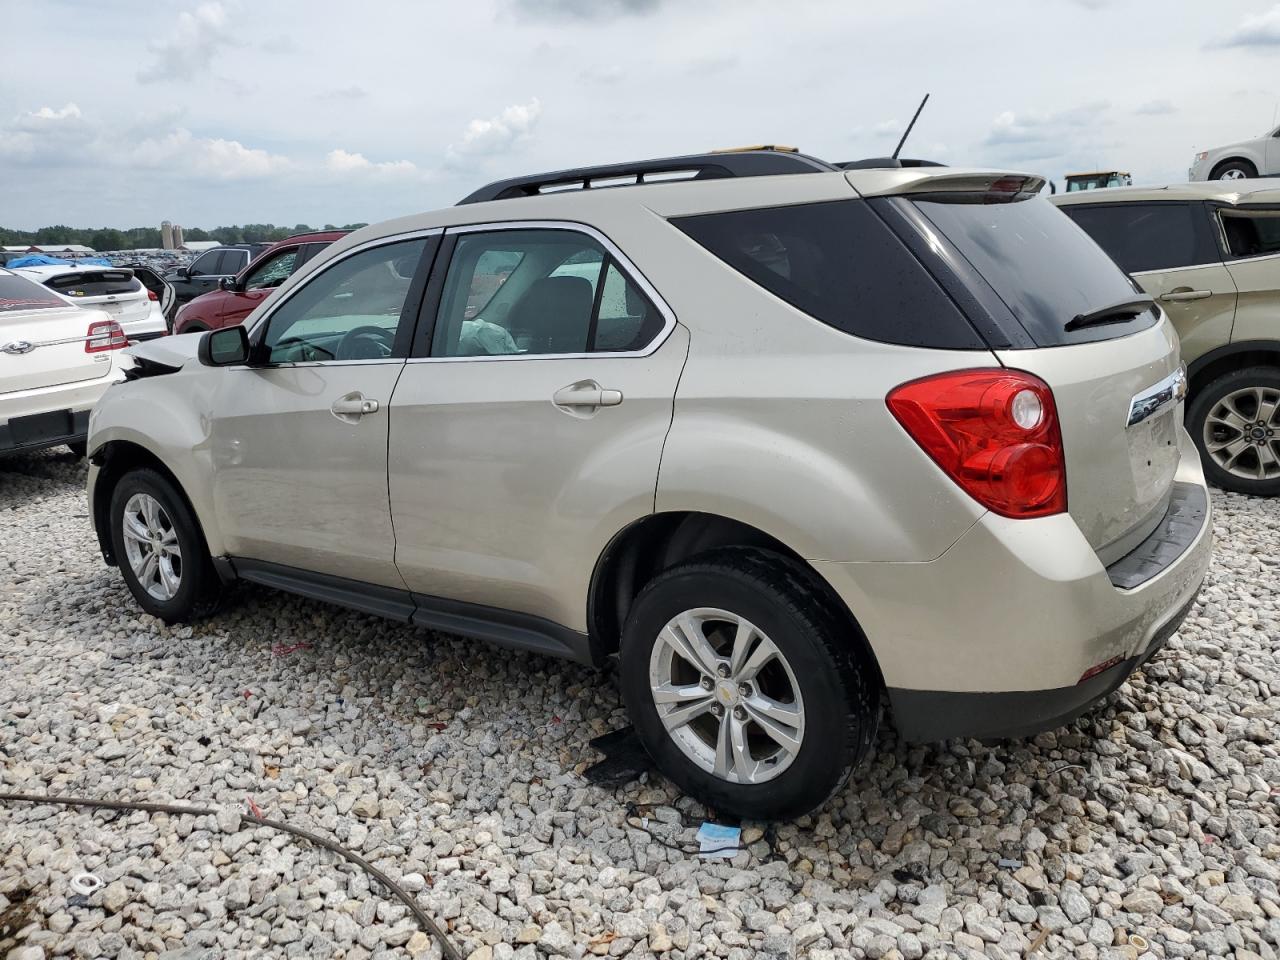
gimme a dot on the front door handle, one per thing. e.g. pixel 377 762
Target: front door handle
pixel 1183 294
pixel 353 406
pixel 586 393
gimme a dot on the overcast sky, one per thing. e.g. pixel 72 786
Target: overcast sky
pixel 210 112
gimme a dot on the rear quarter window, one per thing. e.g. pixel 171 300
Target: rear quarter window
pixel 1147 236
pixel 1044 268
pixel 838 262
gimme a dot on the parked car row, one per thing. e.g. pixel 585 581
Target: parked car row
pixel 782 438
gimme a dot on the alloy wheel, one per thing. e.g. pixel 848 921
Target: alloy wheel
pixel 151 546
pixel 1242 433
pixel 1235 173
pixel 727 696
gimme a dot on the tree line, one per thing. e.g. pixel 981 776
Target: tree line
pixel 136 238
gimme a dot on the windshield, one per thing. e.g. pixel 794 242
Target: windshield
pixel 1044 267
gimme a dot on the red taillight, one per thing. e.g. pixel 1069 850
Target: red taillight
pixel 151 295
pixel 104 335
pixel 994 432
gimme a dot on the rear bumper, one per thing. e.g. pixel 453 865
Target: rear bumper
pixel 994 637
pixel 19 434
pixel 922 716
pixel 17 437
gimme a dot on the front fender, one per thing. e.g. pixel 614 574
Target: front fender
pixel 165 417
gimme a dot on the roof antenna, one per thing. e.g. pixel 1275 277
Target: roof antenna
pixel 906 133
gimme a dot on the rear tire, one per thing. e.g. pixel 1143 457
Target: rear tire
pixel 1235 423
pixel 1234 170
pixel 770 744
pixel 161 550
pixel 79 448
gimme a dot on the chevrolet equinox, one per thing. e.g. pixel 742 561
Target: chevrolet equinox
pixel 782 437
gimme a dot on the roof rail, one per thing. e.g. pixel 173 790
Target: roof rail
pixel 700 166
pixel 886 163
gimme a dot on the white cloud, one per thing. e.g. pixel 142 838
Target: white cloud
pixel 68 112
pixel 1156 108
pixel 207 156
pixel 340 161
pixel 189 50
pixel 67 137
pixel 497 135
pixel 1260 30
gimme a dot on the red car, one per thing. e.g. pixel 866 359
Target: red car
pixel 240 294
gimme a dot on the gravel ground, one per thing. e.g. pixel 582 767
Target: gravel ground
pixel 1148 829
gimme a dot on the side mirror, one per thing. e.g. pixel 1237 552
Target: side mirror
pixel 227 283
pixel 184 273
pixel 225 347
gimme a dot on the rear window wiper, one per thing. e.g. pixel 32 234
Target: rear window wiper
pixel 1116 313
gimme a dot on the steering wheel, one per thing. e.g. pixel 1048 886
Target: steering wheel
pixel 306 352
pixel 366 343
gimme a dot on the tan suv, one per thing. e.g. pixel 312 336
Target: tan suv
pixel 778 437
pixel 1210 254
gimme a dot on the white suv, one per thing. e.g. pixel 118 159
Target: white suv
pixel 778 438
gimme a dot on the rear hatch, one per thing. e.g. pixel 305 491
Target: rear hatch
pixel 1051 304
pixel 115 290
pixel 42 339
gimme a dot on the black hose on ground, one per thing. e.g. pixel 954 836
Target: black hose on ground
pixel 424 920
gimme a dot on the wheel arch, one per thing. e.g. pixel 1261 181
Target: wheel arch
pixel 1231 357
pixel 1225 161
pixel 654 543
pixel 113 460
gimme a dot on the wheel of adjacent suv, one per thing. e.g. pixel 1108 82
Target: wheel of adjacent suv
pixel 160 548
pixel 1235 422
pixel 1234 170
pixel 746 686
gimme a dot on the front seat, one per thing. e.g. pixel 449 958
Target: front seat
pixel 554 315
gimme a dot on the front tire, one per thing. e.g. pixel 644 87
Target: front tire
pixel 746 685
pixel 161 550
pixel 1234 170
pixel 1235 423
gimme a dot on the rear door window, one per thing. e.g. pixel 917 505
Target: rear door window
pixel 232 262
pixel 839 263
pixel 1148 236
pixel 1251 234
pixel 1046 269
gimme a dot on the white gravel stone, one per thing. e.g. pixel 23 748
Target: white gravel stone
pixel 457 768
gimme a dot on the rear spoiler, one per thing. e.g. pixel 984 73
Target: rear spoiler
pixel 932 179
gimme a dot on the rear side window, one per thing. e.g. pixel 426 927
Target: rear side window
pixel 96 284
pixel 1251 234
pixel 1046 269
pixel 840 264
pixel 1147 236
pixel 19 293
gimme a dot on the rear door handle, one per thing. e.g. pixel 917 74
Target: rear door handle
pixel 353 406
pixel 1179 296
pixel 587 393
